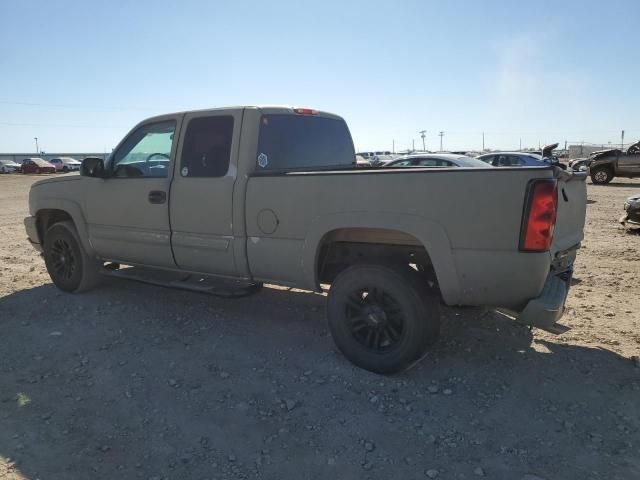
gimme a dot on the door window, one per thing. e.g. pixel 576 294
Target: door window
pixel 207 147
pixel 146 152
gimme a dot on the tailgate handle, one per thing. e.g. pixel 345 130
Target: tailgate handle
pixel 157 196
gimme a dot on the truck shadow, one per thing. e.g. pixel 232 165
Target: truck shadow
pixel 139 381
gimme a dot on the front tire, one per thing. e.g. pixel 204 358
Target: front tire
pixel 69 266
pixel 381 317
pixel 601 176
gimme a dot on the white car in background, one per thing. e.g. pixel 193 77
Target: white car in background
pixel 9 166
pixel 65 164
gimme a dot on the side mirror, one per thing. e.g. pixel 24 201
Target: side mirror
pixel 92 167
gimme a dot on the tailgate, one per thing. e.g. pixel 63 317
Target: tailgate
pixel 572 208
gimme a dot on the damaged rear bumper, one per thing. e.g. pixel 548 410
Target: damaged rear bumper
pixel 544 311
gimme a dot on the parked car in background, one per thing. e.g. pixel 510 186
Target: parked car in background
pixel 9 166
pixel 631 211
pixel 604 165
pixel 512 159
pixel 437 160
pixel 523 159
pixel 579 164
pixel 36 165
pixel 377 158
pixel 65 164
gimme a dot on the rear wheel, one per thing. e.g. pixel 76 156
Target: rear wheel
pixel 601 176
pixel 65 169
pixel 381 317
pixel 69 266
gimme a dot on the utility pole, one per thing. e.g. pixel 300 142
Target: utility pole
pixel 483 141
pixel 413 145
pixel 393 146
pixel 423 133
pixel 565 146
pixel 37 148
pixel 622 141
pixel 521 144
pixel 441 134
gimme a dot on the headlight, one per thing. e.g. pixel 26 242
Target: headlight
pixel 583 168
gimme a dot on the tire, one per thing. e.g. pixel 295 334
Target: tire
pixel 601 175
pixel 69 266
pixel 389 333
pixel 65 169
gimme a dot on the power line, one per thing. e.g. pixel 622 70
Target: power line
pixel 59 125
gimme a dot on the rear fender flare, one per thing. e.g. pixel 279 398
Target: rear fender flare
pixel 428 232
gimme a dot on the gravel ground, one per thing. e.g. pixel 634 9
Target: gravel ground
pixel 135 381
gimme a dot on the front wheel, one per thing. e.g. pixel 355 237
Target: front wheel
pixel 601 176
pixel 381 317
pixel 69 266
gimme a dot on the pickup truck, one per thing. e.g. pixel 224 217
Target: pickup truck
pixel 249 195
pixel 604 165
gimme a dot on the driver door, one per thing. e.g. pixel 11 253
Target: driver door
pixel 127 212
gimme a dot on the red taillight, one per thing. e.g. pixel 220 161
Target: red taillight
pixel 305 111
pixel 540 216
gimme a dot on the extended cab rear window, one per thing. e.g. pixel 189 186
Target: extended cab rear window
pixel 290 142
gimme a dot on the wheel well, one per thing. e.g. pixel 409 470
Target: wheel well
pixel 344 247
pixel 46 218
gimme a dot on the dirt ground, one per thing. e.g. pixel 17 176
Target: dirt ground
pixel 134 381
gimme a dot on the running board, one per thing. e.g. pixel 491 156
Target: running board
pixel 183 281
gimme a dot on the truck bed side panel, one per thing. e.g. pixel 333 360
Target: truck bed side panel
pixel 448 210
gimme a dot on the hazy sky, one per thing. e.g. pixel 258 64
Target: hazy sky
pixel 79 74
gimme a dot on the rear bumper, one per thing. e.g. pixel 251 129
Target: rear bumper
pixel 32 233
pixel 545 310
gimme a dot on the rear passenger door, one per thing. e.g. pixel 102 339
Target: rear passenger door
pixel 201 206
pixel 629 165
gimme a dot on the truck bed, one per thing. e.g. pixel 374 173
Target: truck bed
pixel 468 220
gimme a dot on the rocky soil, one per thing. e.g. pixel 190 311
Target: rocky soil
pixel 139 382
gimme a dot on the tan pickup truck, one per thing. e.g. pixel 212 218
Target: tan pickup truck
pixel 272 194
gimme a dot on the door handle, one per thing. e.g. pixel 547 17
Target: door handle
pixel 157 196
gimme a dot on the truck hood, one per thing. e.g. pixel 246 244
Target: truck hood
pixel 604 153
pixel 547 149
pixel 66 178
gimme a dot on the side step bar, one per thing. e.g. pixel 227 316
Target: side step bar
pixel 194 283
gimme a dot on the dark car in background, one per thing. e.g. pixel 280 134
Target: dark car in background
pixel 523 159
pixel 631 211
pixel 36 165
pixel 512 159
pixel 604 165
